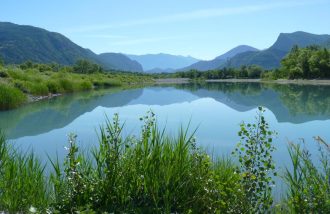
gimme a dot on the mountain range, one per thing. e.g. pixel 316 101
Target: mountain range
pixel 220 60
pixel 271 57
pixel 157 63
pixel 20 43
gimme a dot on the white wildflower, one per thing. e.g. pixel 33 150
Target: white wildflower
pixel 32 209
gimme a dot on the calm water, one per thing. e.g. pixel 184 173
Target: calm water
pixel 294 111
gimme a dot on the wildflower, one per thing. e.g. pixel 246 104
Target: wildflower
pixel 32 209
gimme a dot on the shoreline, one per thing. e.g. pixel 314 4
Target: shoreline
pixel 32 99
pixel 279 81
pixel 172 81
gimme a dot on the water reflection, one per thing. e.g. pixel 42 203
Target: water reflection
pixel 44 116
pixel 289 103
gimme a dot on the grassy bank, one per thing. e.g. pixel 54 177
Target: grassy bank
pixel 20 84
pixel 157 173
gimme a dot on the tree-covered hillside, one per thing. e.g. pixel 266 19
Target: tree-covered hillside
pixel 20 43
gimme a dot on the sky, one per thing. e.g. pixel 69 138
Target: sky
pixel 200 28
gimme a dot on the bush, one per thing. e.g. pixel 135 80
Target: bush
pixel 85 85
pixel 10 97
pixel 152 174
pixel 38 88
pixel 53 86
pixel 257 166
pixel 66 85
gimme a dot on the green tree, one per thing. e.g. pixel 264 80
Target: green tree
pixel 254 152
pixel 86 67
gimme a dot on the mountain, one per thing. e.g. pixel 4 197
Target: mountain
pixel 160 70
pixel 162 61
pixel 271 57
pixel 220 60
pixel 19 43
pixel 120 61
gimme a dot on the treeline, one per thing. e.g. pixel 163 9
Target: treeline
pixel 251 72
pixel 303 63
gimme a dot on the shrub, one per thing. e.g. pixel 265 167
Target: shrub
pixel 66 85
pixel 10 97
pixel 38 88
pixel 53 86
pixel 256 167
pixel 154 173
pixel 85 85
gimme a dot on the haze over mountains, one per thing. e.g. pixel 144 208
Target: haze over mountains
pixel 220 60
pixel 156 63
pixel 20 43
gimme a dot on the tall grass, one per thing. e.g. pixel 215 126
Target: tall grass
pixel 151 173
pixel 22 181
pixel 10 97
pixel 309 185
pixel 17 82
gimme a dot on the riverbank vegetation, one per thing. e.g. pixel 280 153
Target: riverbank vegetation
pixel 20 84
pixel 158 173
pixel 312 62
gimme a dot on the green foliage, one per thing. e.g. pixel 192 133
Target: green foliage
pixel 305 63
pixel 45 79
pixel 22 181
pixel 10 97
pixel 309 186
pixel 153 173
pixel 257 167
pixel 244 72
pixel 86 67
pixel 157 173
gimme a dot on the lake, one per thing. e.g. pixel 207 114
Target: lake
pixel 216 109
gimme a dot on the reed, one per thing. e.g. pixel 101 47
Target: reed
pixel 156 173
pixel 309 185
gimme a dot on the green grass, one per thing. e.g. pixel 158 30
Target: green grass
pixel 23 182
pixel 309 185
pixel 152 173
pixel 10 97
pixel 17 82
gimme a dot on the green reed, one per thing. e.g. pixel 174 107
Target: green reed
pixel 158 173
pixel 309 185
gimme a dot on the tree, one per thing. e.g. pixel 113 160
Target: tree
pixel 86 67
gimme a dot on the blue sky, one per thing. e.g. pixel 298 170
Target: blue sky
pixel 200 28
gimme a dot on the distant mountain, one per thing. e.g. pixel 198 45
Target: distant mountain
pixel 120 61
pixel 271 57
pixel 160 70
pixel 286 41
pixel 162 61
pixel 220 60
pixel 19 43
